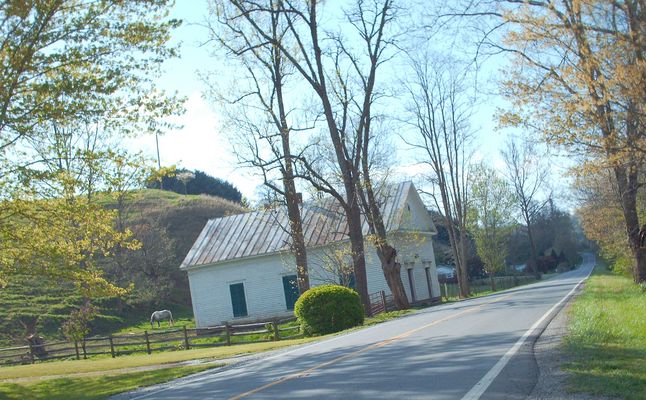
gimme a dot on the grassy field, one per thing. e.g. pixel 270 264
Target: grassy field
pixel 182 316
pixel 93 388
pixel 607 338
pixel 113 381
pixel 139 360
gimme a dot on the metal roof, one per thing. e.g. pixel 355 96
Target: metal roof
pixel 263 232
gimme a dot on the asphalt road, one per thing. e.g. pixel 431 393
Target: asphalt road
pixel 479 348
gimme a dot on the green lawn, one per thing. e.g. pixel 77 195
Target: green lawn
pixel 93 388
pixel 386 316
pixel 607 337
pixel 139 360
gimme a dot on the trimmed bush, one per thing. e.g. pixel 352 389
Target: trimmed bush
pixel 327 309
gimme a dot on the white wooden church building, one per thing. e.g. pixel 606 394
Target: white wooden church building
pixel 240 267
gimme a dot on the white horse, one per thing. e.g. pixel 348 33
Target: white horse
pixel 160 316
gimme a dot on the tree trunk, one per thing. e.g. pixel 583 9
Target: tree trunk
pixel 464 268
pixel 493 283
pixel 358 255
pixel 296 233
pixel 350 181
pixel 455 249
pixel 639 273
pixel 532 246
pixel 392 272
pixel 386 253
pixel 627 183
pixel 292 198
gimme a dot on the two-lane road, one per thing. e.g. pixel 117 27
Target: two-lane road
pixel 479 348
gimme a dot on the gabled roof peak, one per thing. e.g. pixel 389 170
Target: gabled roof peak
pixel 264 232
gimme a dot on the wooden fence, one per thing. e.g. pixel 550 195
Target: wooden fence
pixel 172 339
pixel 380 302
pixel 476 286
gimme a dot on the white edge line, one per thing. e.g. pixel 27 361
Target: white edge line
pixel 483 384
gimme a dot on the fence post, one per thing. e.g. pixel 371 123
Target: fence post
pixel 383 300
pixel 76 348
pixel 188 345
pixel 147 342
pixel 446 291
pixel 227 333
pixel 111 346
pixel 31 353
pixel 274 325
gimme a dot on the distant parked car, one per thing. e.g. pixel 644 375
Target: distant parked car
pixel 446 274
pixel 520 267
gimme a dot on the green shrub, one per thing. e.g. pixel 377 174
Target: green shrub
pixel 327 309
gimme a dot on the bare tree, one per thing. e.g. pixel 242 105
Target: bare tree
pixel 357 92
pixel 439 112
pixel 260 114
pixel 318 65
pixel 527 175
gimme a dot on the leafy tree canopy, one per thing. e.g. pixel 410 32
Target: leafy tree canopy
pixel 74 74
pixel 490 217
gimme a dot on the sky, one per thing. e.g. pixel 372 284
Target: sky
pixel 200 143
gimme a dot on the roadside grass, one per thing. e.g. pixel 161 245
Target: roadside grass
pixel 94 388
pixel 607 337
pixel 71 367
pixel 385 316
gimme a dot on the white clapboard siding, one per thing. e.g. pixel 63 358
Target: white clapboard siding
pixel 252 249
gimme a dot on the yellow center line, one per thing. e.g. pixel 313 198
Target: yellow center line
pixel 357 352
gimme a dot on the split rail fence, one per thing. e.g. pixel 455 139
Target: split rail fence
pixel 476 286
pixel 381 302
pixel 172 339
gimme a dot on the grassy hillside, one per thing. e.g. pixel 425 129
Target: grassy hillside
pixel 183 216
pixel 29 304
pixel 166 224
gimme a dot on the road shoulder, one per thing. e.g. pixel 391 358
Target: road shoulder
pixel 549 354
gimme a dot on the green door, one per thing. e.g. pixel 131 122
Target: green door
pixel 290 287
pixel 238 300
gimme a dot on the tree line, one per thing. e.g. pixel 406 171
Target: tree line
pixel 184 181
